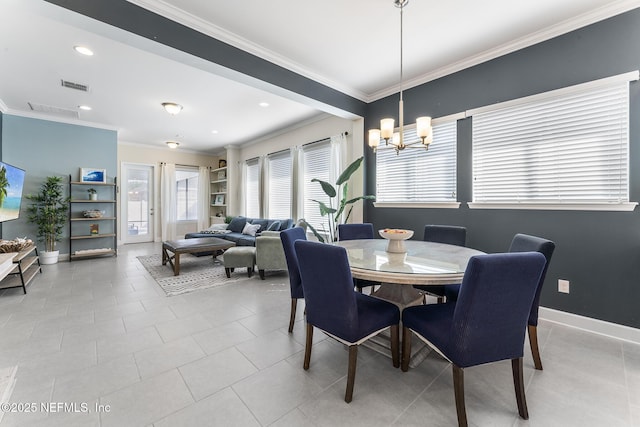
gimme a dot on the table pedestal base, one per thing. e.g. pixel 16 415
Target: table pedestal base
pixel 400 295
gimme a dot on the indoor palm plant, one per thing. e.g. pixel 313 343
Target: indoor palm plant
pixel 335 209
pixel 48 212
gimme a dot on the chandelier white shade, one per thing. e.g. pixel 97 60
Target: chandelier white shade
pixel 172 144
pixel 393 139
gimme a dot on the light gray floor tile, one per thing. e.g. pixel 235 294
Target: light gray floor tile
pixel 119 345
pixel 266 350
pixel 180 328
pixel 146 401
pixel 222 337
pixel 167 356
pixel 216 372
pixel 221 409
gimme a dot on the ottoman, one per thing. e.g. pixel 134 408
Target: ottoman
pixel 239 256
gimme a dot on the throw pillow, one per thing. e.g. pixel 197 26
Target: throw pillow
pixel 251 229
pixel 262 222
pixel 237 224
pixel 275 226
pixel 217 227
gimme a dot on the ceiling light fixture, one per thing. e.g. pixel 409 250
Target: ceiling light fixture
pixel 172 144
pixel 264 104
pixel 83 50
pixel 84 107
pixel 172 108
pixel 423 124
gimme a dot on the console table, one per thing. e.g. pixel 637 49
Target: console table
pixel 17 269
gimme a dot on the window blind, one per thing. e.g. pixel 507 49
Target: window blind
pixel 252 189
pixel 316 159
pixel 572 148
pixel 279 181
pixel 419 175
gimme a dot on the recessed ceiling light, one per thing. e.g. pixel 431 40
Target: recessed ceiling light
pixel 172 108
pixel 264 104
pixel 172 144
pixel 214 132
pixel 84 107
pixel 83 50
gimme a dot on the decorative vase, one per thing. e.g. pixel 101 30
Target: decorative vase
pixel 396 238
pixel 93 196
pixel 48 258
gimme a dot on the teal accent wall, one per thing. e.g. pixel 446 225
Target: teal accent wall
pixel 45 148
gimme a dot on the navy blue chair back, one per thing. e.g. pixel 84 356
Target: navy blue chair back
pixel 288 237
pixel 449 234
pixel 328 292
pixel 526 243
pixel 490 316
pixel 355 231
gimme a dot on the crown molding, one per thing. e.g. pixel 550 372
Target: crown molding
pixel 196 23
pixel 49 118
pixel 3 107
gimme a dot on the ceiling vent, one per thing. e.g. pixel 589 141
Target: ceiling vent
pixel 48 109
pixel 76 86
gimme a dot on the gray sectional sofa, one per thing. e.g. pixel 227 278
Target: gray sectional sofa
pixel 237 224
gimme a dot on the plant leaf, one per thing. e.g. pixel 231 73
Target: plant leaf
pixel 328 189
pixel 314 231
pixel 324 209
pixel 346 174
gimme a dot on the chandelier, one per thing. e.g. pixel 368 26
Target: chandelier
pixel 423 124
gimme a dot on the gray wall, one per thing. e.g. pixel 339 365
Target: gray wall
pixel 599 252
pixel 44 148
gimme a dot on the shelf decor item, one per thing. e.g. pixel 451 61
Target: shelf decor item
pixel 93 175
pixel 396 238
pixel 93 194
pixel 48 212
pixel 222 163
pixel 219 199
pixel 94 229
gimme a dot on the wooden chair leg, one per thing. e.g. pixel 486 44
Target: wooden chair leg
pixel 249 271
pixel 292 318
pixel 228 272
pixel 533 342
pixel 458 390
pixel 395 345
pixel 307 346
pixel 518 383
pixel 351 374
pixel 406 348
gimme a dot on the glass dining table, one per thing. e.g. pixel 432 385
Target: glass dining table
pixel 424 263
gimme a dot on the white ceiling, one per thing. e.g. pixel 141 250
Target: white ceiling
pixel 352 46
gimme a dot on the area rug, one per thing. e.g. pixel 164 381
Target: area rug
pixel 195 273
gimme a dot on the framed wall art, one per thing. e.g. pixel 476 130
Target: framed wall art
pixel 93 175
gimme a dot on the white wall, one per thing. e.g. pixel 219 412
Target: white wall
pixel 321 129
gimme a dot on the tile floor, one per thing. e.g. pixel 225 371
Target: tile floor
pixel 100 334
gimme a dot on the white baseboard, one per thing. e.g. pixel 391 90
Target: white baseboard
pixel 596 326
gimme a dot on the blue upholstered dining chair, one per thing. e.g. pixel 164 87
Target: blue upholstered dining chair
pixel 334 307
pixel 288 237
pixel 357 232
pixel 451 235
pixel 487 323
pixel 526 243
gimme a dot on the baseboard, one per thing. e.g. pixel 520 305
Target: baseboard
pixel 596 326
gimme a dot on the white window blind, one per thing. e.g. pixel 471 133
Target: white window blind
pixel 279 182
pixel 252 189
pixel 572 148
pixel 316 159
pixel 416 174
pixel 187 193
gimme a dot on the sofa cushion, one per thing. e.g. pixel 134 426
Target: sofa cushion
pixel 251 229
pixel 274 226
pixel 237 224
pixel 263 223
pixel 285 224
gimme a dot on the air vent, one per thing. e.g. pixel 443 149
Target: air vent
pixel 48 109
pixel 76 86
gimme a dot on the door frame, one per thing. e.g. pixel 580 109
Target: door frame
pixel 124 166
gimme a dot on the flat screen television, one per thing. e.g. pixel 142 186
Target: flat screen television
pixel 11 183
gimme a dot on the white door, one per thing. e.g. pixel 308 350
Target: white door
pixel 137 202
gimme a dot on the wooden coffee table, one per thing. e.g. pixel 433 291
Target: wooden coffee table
pixel 188 246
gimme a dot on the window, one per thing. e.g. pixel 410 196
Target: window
pixel 316 163
pixel 279 182
pixel 187 197
pixel 252 189
pixel 417 175
pixel 566 147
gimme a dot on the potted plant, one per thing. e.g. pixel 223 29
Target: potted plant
pixel 93 194
pixel 48 212
pixel 336 208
